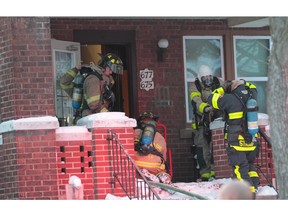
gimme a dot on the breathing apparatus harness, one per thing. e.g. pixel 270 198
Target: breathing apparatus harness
pixel 144 143
pixel 206 118
pixel 244 121
pixel 106 90
pixel 148 148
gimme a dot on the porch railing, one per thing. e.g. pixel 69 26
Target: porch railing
pixel 136 186
pixel 127 174
pixel 264 162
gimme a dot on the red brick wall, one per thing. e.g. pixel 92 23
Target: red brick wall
pixel 7 83
pixel 75 158
pixel 8 168
pixel 37 163
pixel 26 74
pixel 28 170
pixel 103 172
pixel 222 169
pixel 37 174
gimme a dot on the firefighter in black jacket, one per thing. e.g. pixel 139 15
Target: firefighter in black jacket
pixel 242 148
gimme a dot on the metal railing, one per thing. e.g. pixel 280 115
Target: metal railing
pixel 264 163
pixel 127 174
pixel 161 128
pixel 136 186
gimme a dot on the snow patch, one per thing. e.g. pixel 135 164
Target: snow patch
pixel 209 190
pixel 32 123
pixel 263 119
pixel 73 133
pixel 107 119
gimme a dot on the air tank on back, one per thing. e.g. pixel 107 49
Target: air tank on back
pixel 252 116
pixel 148 133
pixel 77 91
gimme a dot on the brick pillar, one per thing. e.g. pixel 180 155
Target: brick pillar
pixel 27 78
pixel 100 124
pixel 74 158
pixel 28 159
pixel 222 169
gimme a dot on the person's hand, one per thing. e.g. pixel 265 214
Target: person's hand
pixel 208 109
pixel 236 83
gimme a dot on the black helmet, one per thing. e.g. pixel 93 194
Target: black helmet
pixel 145 115
pixel 113 62
pixel 242 92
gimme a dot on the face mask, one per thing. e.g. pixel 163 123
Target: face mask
pixel 207 80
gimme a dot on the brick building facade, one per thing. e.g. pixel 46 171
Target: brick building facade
pixel 27 79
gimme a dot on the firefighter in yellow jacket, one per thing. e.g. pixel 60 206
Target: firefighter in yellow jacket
pixel 97 86
pixel 151 149
pixel 203 114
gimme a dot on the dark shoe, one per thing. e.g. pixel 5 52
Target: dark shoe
pixel 203 179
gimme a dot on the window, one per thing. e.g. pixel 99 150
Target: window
pixel 199 50
pixel 63 62
pixel 251 55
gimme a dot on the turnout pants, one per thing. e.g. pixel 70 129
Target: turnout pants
pixel 243 168
pixel 204 152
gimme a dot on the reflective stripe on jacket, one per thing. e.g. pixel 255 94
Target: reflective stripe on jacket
pixel 66 81
pixel 234 109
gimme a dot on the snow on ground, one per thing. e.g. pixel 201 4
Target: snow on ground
pixel 209 190
pixel 172 205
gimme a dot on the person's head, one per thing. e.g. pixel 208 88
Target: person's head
pixel 235 190
pixel 146 116
pixel 205 75
pixel 111 63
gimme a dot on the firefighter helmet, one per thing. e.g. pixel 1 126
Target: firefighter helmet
pixel 146 115
pixel 112 61
pixel 242 92
pixel 205 75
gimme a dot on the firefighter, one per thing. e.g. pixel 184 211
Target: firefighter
pixel 203 115
pixel 242 148
pixel 151 149
pixel 97 86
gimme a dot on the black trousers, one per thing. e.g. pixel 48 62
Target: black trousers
pixel 242 163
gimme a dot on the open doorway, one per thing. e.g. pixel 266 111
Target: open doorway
pixel 122 43
pixel 91 53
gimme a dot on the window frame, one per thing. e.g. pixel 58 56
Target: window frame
pixel 235 37
pixel 190 80
pixel 251 79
